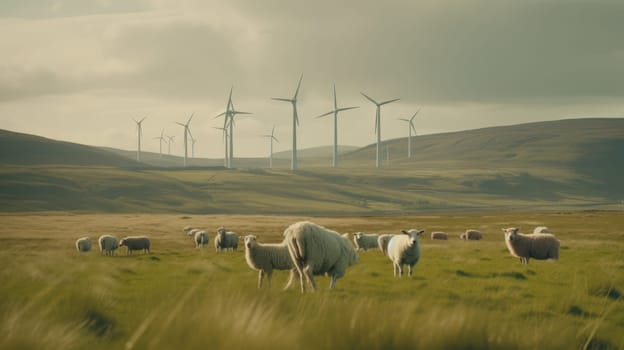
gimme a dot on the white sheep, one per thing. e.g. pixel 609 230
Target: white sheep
pixel 83 244
pixel 108 244
pixel 382 242
pixel 365 241
pixel 187 229
pixel 404 250
pixel 315 250
pixel 541 229
pixel 539 246
pixel 439 235
pixel 136 243
pixel 471 235
pixel 268 257
pixel 201 239
pixel 225 240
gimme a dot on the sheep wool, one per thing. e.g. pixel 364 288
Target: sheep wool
pixel 382 242
pixel 201 239
pixel 225 240
pixel 541 229
pixel 135 243
pixel 404 249
pixel 83 244
pixel 439 235
pixel 315 250
pixel 471 235
pixel 539 246
pixel 267 257
pixel 365 241
pixel 108 244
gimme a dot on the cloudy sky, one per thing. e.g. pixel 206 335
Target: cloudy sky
pixel 80 70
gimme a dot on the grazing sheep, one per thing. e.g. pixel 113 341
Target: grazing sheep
pixel 439 235
pixel 471 235
pixel 225 240
pixel 108 244
pixel 201 239
pixel 83 244
pixel 191 233
pixel 404 250
pixel 365 241
pixel 187 229
pixel 540 246
pixel 382 242
pixel 541 229
pixel 315 250
pixel 135 243
pixel 268 257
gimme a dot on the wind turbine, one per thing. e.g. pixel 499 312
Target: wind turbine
pixel 378 124
pixel 139 135
pixel 229 114
pixel 193 140
pixel 335 113
pixel 187 132
pixel 293 161
pixel 410 127
pixel 225 143
pixel 271 138
pixel 161 139
pixel 169 144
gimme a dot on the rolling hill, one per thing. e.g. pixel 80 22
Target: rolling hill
pixel 548 165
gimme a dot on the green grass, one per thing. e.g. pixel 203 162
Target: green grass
pixel 463 294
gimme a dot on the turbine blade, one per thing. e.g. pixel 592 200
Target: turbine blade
pixel 189 132
pixel 272 130
pixel 220 115
pixel 345 109
pixel 368 98
pixel 407 120
pixel 389 101
pixel 189 119
pixel 415 114
pixel 413 128
pixel 275 138
pixel 237 112
pixel 181 124
pixel 142 120
pixel 298 86
pixel 295 114
pixel 282 99
pixel 335 100
pixel 325 114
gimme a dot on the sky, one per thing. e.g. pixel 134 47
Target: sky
pixel 80 70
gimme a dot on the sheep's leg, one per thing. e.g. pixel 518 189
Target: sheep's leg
pixel 332 284
pixel 260 276
pixel 410 269
pixel 400 268
pixel 310 277
pixel 269 273
pixel 291 277
pixel 394 267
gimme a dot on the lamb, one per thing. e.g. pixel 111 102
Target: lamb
pixel 108 244
pixel 404 249
pixel 541 229
pixel 225 240
pixel 83 244
pixel 268 257
pixel 201 239
pixel 315 250
pixel 382 242
pixel 439 235
pixel 364 241
pixel 136 243
pixel 471 235
pixel 540 246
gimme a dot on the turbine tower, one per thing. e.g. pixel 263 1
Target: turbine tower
pixel 139 135
pixel 271 138
pixel 335 113
pixel 293 161
pixel 229 114
pixel 225 141
pixel 378 125
pixel 187 132
pixel 169 144
pixel 410 127
pixel 161 139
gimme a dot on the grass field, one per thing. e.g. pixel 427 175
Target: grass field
pixel 463 295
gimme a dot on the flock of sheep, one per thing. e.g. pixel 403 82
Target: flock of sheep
pixel 310 250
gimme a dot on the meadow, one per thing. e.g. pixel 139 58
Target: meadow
pixel 470 295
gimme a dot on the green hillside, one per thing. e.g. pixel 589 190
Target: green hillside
pixel 570 164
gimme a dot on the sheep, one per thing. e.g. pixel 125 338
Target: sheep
pixel 191 233
pixel 364 241
pixel 439 235
pixel 108 244
pixel 187 229
pixel 404 249
pixel 135 243
pixel 382 242
pixel 315 250
pixel 83 244
pixel 201 239
pixel 471 235
pixel 225 240
pixel 541 229
pixel 268 257
pixel 539 246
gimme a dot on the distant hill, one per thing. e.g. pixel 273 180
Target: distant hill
pixel 315 152
pixel 24 149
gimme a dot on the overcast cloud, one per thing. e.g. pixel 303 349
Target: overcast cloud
pixel 80 70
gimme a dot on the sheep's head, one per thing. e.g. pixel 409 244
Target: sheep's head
pixel 510 233
pixel 122 242
pixel 250 241
pixel 221 230
pixel 413 236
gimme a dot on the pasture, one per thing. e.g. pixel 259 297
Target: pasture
pixel 464 294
